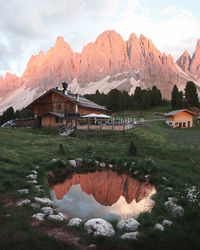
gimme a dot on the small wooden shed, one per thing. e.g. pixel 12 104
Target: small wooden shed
pixel 182 118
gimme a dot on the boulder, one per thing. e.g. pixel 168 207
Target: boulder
pixel 97 163
pixel 32 182
pixel 160 227
pixel 129 224
pixel 35 205
pixel 79 162
pixel 172 199
pixel 110 165
pixel 32 176
pixel 23 191
pixel 36 167
pixel 177 211
pixel 47 210
pixel 53 160
pixel 62 215
pixel 55 217
pixel 34 172
pixel 23 203
pixel 74 222
pixel 99 227
pixel 91 247
pixel 130 236
pixel 44 201
pixel 167 222
pixel 169 204
pixel 168 188
pixel 72 163
pixel 39 216
pixel 102 165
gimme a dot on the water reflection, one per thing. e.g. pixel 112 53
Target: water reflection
pixel 103 194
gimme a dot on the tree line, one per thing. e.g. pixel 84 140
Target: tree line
pixel 10 114
pixel 116 100
pixel 188 99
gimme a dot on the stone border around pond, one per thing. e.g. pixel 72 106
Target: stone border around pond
pixel 96 226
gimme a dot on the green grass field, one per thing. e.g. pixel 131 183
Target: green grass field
pixel 176 154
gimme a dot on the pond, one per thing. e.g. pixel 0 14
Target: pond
pixel 105 194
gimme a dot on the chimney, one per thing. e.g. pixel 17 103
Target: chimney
pixel 65 86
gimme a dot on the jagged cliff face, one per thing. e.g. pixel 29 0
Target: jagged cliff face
pixel 109 62
pixel 106 187
pixel 191 65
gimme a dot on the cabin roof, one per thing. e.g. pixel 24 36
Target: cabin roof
pixel 83 102
pixel 174 112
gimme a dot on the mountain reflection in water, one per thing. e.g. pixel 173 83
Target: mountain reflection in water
pixel 103 194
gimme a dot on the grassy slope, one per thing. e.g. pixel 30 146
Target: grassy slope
pixel 176 153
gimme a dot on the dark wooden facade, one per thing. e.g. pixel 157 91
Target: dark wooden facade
pixel 55 109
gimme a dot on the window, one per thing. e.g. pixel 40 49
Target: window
pixel 58 106
pixel 57 120
pixel 184 124
pixel 188 124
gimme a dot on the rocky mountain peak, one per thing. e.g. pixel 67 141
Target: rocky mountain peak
pixel 195 62
pixel 184 61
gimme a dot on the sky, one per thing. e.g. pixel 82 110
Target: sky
pixel 28 26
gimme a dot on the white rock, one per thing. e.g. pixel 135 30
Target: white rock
pixel 97 163
pixel 34 172
pixel 23 203
pixel 110 165
pixel 130 236
pixel 160 227
pixel 44 201
pixel 32 176
pixel 102 165
pixel 92 247
pixel 177 211
pixel 36 167
pixel 129 224
pixel 55 217
pixel 167 222
pixel 23 191
pixel 72 163
pixel 35 205
pixel 39 216
pixel 169 204
pixel 99 227
pixel 62 215
pixel 53 160
pixel 79 162
pixel 32 182
pixel 74 222
pixel 47 210
pixel 168 188
pixel 172 199
pixel 37 186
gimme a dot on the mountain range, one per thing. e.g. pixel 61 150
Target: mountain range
pixel 109 62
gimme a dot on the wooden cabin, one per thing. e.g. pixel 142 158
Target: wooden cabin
pixel 57 108
pixel 182 118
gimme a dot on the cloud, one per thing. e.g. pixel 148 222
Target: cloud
pixel 26 27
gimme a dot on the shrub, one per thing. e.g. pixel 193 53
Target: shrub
pixel 61 149
pixel 132 149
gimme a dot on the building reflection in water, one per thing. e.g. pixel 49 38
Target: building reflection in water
pixel 103 194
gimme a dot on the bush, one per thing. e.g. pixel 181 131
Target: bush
pixel 61 149
pixel 132 149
